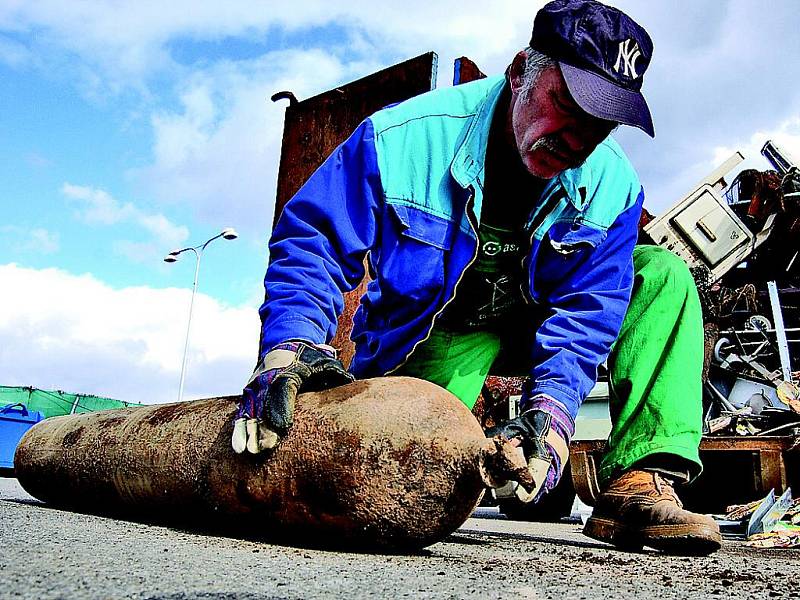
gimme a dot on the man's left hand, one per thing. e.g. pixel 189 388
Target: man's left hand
pixel 544 433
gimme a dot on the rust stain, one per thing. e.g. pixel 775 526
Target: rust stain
pixel 164 414
pixel 72 438
pixel 405 454
pixel 110 423
pixel 343 393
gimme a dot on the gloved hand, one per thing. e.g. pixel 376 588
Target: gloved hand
pixel 544 432
pixel 267 404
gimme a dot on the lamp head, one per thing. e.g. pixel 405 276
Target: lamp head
pixel 171 257
pixel 229 233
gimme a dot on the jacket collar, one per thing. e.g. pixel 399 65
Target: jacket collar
pixel 468 164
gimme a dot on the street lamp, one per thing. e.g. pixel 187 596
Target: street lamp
pixel 229 233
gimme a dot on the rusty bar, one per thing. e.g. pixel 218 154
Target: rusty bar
pixel 765 459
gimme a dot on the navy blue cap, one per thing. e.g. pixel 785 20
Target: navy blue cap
pixel 603 55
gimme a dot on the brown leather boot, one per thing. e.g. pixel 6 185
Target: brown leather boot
pixel 640 508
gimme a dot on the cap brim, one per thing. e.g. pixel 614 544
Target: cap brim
pixel 605 100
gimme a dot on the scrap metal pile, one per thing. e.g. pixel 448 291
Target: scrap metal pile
pixel 742 244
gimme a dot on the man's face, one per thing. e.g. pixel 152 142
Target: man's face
pixel 552 133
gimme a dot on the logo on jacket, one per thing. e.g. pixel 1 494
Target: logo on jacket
pixel 627 57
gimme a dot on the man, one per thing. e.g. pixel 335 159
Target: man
pixel 499 221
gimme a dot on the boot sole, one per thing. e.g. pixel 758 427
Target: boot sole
pixel 695 539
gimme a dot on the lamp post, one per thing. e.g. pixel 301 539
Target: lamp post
pixel 229 234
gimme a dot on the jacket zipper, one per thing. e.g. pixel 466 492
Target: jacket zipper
pixel 547 210
pixel 470 218
pixel 525 288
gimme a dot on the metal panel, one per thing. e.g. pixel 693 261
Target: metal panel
pixel 464 71
pixel 711 227
pixel 314 127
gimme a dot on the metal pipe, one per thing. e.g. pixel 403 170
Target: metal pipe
pixel 780 331
pixel 722 399
pixel 732 345
pixel 229 234
pixel 786 329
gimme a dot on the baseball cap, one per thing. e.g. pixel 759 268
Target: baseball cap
pixel 603 55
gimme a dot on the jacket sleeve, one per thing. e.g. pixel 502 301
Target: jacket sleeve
pixel 586 307
pixel 318 246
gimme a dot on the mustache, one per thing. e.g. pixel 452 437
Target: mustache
pixel 554 145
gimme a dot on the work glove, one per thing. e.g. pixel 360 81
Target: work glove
pixel 543 432
pixel 267 404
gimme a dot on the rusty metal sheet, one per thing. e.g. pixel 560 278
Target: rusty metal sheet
pixel 314 127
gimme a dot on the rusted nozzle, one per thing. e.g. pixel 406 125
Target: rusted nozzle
pixel 499 462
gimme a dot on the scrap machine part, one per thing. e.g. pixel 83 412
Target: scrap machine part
pixel 758 323
pixel 394 463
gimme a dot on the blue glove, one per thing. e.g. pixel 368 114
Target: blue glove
pixel 544 432
pixel 267 404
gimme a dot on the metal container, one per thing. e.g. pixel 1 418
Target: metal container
pixel 15 420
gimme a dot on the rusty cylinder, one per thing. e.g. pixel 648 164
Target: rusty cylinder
pixel 392 462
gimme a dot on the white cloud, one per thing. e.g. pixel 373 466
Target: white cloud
pixel 36 240
pixel 219 151
pixel 98 207
pixel 786 135
pixel 63 331
pixel 44 241
pixel 130 39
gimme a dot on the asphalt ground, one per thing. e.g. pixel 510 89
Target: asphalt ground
pixel 49 553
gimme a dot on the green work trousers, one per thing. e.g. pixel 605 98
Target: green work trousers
pixel 655 367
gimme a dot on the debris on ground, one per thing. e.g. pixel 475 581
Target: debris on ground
pixel 772 522
pixel 788 537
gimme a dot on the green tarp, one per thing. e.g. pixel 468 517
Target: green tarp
pixel 53 404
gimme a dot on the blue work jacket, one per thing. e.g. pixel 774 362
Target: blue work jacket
pixel 405 190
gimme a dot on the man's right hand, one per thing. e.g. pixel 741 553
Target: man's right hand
pixel 267 404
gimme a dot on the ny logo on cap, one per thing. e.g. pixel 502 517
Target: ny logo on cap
pixel 627 58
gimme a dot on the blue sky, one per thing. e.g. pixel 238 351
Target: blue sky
pixel 55 138
pixel 130 128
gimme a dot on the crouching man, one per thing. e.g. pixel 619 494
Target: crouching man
pixel 499 220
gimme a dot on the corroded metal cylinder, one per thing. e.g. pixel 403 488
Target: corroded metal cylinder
pixel 391 462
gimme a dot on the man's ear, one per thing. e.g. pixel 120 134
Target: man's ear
pixel 516 72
